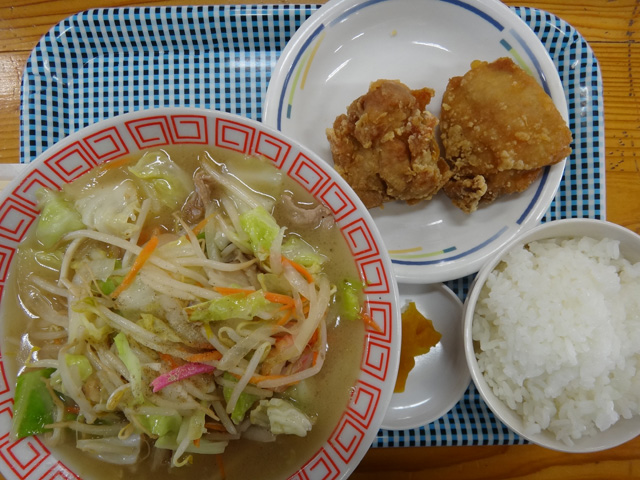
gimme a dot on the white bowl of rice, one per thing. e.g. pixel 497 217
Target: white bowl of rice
pixel 552 335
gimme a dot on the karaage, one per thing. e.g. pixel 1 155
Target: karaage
pixel 498 129
pixel 385 146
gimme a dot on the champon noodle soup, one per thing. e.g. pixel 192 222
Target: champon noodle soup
pixel 183 313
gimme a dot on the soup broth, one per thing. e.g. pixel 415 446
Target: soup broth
pixel 321 397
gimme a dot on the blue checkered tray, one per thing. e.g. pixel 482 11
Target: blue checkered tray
pixel 105 62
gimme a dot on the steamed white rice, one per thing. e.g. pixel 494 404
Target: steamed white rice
pixel 558 329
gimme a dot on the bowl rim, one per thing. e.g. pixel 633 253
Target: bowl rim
pixel 367 422
pixel 580 227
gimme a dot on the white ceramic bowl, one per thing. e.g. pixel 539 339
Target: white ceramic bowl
pixel 123 135
pixel 347 44
pixel 621 431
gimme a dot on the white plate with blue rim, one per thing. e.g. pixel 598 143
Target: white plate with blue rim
pixel 347 44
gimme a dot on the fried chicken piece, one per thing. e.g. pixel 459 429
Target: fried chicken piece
pixel 467 192
pixel 385 146
pixel 498 129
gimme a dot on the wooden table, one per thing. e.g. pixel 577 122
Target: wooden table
pixel 612 29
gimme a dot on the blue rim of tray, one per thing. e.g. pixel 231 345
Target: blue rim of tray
pixel 105 62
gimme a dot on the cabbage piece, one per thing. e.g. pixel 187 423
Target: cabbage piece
pixel 244 403
pixel 160 424
pixel 100 264
pixel 270 282
pixel 80 363
pixel 303 392
pixel 109 207
pixel 214 238
pixel 260 177
pixel 132 362
pixel 260 190
pixel 350 298
pixel 191 429
pixel 162 179
pixel 77 362
pixel 237 306
pixel 119 451
pixel 139 297
pixel 33 406
pixel 261 228
pixel 108 286
pixel 181 247
pixel 58 217
pixel 280 417
pixel 84 322
pixel 159 327
pixel 298 250
pixel 97 268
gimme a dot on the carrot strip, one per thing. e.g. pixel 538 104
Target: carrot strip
pixel 272 297
pixel 196 442
pixel 300 268
pixel 200 226
pixel 259 378
pixel 223 475
pixel 370 322
pixel 232 291
pixel 215 426
pixel 314 337
pixel 279 298
pixel 285 318
pixel 147 233
pixel 169 359
pixel 140 260
pixel 205 356
pixel 72 409
pixel 115 163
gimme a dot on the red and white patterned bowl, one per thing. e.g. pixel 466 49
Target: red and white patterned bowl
pixel 29 458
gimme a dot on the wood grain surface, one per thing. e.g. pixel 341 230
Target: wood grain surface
pixel 611 28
